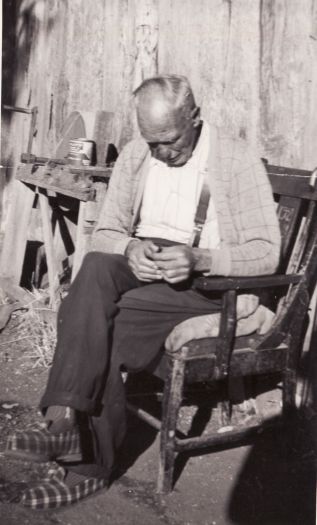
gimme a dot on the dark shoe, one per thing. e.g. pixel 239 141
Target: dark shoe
pixel 42 446
pixel 52 492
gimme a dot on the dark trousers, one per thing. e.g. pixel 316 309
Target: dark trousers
pixel 110 319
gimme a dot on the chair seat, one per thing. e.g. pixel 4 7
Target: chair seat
pixel 246 359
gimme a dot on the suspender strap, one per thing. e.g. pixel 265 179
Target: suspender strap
pixel 201 214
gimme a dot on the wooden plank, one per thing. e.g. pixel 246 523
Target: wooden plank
pixel 15 292
pixel 222 439
pixel 213 43
pixel 243 363
pixel 173 393
pixel 287 171
pixel 58 179
pixel 244 283
pixel 80 195
pixel 145 416
pixel 16 233
pixel 94 171
pixel 49 247
pixel 293 185
pixel 288 210
pixel 102 135
pixel 286 86
pixel 63 219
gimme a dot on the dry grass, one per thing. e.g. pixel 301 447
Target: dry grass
pixel 36 324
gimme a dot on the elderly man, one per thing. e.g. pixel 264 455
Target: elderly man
pixel 182 201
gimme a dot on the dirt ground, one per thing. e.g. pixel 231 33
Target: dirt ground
pixel 268 482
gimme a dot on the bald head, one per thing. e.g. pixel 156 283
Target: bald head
pixel 167 113
pixel 157 117
pixel 166 96
pixel 155 107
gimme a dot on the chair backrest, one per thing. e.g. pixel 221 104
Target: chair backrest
pixel 296 195
pixel 295 192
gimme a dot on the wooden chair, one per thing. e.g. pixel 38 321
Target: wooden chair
pixel 278 351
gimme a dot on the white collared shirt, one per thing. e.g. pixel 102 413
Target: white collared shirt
pixel 171 197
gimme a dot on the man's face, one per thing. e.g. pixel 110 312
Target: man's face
pixel 170 135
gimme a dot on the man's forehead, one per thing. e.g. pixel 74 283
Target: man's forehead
pixel 159 134
pixel 159 121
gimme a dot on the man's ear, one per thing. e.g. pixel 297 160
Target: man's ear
pixel 195 115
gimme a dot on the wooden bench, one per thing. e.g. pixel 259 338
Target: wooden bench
pixel 67 197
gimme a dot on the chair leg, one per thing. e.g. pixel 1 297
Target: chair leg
pixel 289 392
pixel 289 374
pixel 172 398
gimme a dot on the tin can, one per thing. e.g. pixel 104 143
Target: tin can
pixel 81 151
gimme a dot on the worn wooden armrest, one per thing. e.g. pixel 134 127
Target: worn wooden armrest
pixel 243 283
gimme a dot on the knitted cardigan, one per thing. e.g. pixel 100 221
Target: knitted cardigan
pixel 247 220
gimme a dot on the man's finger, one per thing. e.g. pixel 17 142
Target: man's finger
pixel 146 276
pixel 144 270
pixel 144 262
pixel 146 279
pixel 168 253
pixel 150 271
pixel 150 249
pixel 173 266
pixel 175 277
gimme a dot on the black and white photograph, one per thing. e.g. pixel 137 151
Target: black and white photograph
pixel 158 262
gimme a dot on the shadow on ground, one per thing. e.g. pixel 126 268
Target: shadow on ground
pixel 277 482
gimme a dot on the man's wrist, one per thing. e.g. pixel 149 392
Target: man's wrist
pixel 130 246
pixel 202 260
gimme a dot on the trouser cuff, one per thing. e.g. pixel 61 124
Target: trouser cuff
pixel 68 399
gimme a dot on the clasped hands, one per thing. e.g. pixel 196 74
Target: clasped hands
pixel 151 263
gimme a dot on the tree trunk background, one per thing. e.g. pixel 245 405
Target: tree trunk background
pixel 252 64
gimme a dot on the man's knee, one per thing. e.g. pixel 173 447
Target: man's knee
pixel 94 262
pixel 104 268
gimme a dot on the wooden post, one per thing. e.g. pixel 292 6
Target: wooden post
pixel 17 224
pixel 173 394
pixel 49 246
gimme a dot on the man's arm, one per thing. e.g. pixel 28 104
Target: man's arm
pixel 112 232
pixel 254 219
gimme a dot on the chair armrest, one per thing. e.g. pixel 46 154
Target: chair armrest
pixel 243 283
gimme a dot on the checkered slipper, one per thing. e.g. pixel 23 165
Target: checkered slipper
pixel 41 445
pixel 52 492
